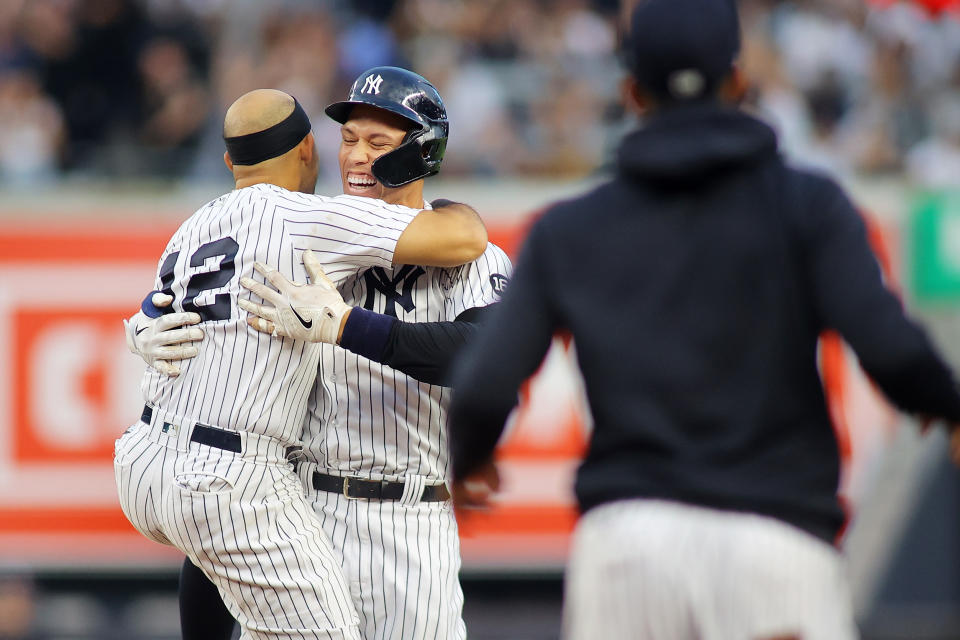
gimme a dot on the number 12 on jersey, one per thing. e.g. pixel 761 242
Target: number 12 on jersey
pixel 226 250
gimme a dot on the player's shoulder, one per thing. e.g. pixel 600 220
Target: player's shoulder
pixel 295 200
pixel 812 180
pixel 209 211
pixel 493 256
pixel 493 267
pixel 570 214
pixel 370 204
pixel 812 195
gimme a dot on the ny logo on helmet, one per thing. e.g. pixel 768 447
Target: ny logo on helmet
pixel 372 85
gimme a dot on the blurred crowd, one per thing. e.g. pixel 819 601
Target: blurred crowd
pixel 137 88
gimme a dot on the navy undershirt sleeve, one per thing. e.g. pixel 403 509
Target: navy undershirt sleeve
pixel 424 351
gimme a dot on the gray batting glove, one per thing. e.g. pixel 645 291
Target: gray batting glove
pixel 308 312
pixel 160 341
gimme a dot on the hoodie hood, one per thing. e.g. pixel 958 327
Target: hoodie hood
pixel 681 144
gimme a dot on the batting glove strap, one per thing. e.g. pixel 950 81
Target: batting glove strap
pixel 311 324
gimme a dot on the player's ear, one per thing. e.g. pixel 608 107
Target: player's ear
pixel 308 149
pixel 634 98
pixel 735 86
pixel 227 161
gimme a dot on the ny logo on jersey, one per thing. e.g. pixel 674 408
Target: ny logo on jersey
pixel 377 280
pixel 372 85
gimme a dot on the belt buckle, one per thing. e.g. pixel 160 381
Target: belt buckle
pixel 346 489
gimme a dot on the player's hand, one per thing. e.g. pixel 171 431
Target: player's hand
pixel 955 444
pixel 160 341
pixel 476 490
pixel 308 312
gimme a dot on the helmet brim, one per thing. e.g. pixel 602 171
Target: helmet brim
pixel 340 112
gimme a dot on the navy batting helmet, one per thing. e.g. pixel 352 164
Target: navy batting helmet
pixel 409 95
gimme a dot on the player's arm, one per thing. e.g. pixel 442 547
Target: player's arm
pixel 850 296
pixel 451 234
pixel 425 351
pixel 317 313
pixel 162 338
pixel 507 350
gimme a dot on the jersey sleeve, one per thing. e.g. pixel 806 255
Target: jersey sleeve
pixel 479 283
pixel 346 233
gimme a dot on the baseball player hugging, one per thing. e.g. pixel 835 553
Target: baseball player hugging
pixel 375 465
pixel 206 468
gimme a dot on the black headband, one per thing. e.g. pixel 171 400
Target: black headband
pixel 254 148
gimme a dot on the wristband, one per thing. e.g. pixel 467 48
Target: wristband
pixel 151 310
pixel 366 333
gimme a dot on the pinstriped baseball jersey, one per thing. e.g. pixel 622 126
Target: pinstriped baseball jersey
pixel 370 420
pixel 401 562
pixel 244 520
pixel 242 379
pixel 241 514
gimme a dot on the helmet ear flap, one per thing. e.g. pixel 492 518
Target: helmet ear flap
pixel 432 151
pixel 402 166
pixel 418 157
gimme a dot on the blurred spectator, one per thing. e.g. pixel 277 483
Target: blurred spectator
pixel 174 106
pixel 585 33
pixel 300 57
pixel 482 138
pixel 31 130
pixel 366 43
pixel 564 138
pixel 140 85
pixel 827 104
pixel 87 54
pixel 816 38
pixel 776 98
pixel 12 51
pixel 890 119
pixel 935 162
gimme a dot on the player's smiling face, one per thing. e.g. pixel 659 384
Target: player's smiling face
pixel 367 135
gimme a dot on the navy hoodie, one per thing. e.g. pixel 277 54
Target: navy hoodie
pixel 696 283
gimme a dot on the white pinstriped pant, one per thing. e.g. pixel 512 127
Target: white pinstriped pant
pixel 401 559
pixel 244 520
pixel 661 570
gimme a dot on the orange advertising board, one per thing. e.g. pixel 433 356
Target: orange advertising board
pixel 69 387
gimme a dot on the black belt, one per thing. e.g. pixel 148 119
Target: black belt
pixel 202 433
pixel 374 489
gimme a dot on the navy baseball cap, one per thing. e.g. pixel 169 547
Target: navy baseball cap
pixel 681 50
